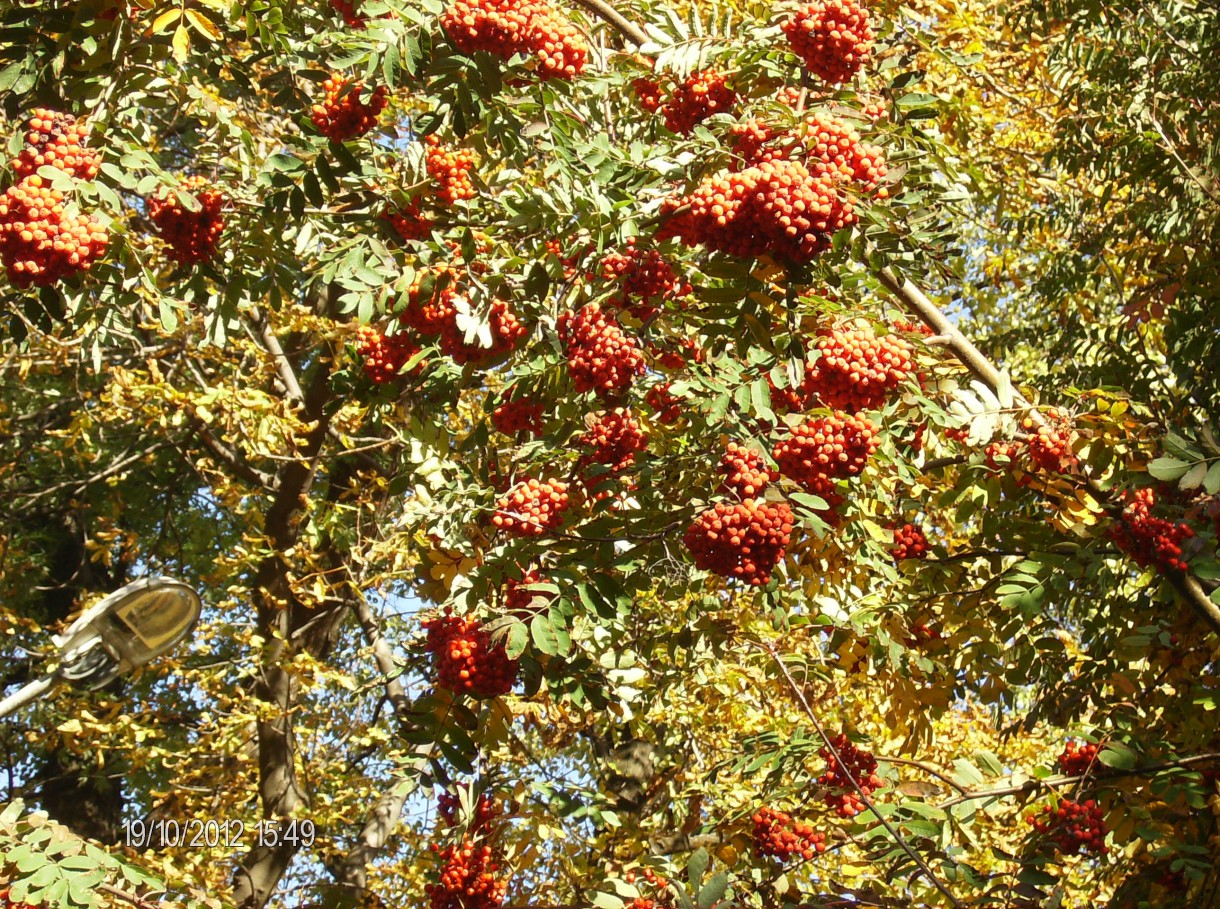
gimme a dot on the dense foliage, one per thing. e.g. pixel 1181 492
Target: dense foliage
pixel 556 409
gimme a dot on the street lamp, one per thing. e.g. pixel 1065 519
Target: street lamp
pixel 130 627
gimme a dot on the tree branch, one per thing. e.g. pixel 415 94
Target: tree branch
pixel 1185 585
pixel 607 13
pixel 1055 782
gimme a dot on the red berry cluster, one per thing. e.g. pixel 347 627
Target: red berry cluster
pixel 55 139
pixel 521 415
pixel 833 37
pixel 1147 539
pixel 555 248
pixel 466 660
pixel 506 331
pixel 822 141
pixel 518 595
pixel 601 358
pixel 855 369
pixel 697 97
pixel 342 115
pixel 913 328
pixel 468 877
pixel 1078 758
pixel 486 811
pixel 923 634
pixel 648 91
pixel 1050 444
pixel 613 439
pixel 777 834
pixel 909 543
pixel 1074 827
pixel 450 171
pixel 40 243
pixel 778 207
pixel 509 27
pixel 348 10
pixel 9 904
pixel 384 355
pixel 824 449
pixel 532 507
pixel 645 280
pixel 669 356
pixel 853 763
pixel 191 235
pixel 409 223
pixel 746 473
pixel 668 408
pixel 742 540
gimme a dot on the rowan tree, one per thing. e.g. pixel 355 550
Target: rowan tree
pixel 620 451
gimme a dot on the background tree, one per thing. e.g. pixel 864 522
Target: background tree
pixel 592 501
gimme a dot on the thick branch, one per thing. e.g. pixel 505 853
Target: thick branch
pixel 234 461
pixel 610 15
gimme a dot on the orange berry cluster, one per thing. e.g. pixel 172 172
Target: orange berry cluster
pixel 697 97
pixel 430 313
pixel 854 763
pixel 506 331
pixel 645 280
pixel 823 449
pixel 409 223
pixel 742 540
pixel 777 834
pixel 601 357
pixel 450 171
pixel 466 661
pixel 505 28
pixel 1147 539
pixel 522 415
pixel 822 140
pixel 1074 827
pixel 342 115
pixel 668 408
pixel 913 328
pixel 555 248
pixel 55 139
pixel 40 243
pixel 778 207
pixel 613 439
pixel 1050 444
pixel 746 473
pixel 532 507
pixel 833 38
pixel 909 543
pixel 385 355
pixel 855 369
pixel 1077 758
pixel 191 235
pixel 468 877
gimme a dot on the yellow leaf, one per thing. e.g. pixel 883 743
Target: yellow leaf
pixel 164 21
pixel 182 44
pixel 203 24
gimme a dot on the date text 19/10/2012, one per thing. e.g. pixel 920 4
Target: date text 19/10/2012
pixel 197 833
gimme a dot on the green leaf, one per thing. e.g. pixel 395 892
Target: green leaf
pixel 696 867
pixel 713 891
pixel 1167 468
pixel 1211 483
pixel 517 640
pixel 1118 756
pixel 544 636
